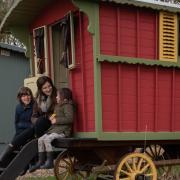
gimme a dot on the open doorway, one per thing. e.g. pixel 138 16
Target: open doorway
pixel 61 78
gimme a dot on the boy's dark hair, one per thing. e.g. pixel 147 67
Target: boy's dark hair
pixel 66 93
pixel 24 91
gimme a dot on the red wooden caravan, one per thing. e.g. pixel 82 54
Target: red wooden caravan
pixel 119 57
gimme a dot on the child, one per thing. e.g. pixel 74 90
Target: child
pixel 23 110
pixel 61 126
pixel 23 115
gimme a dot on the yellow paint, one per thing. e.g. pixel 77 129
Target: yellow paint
pixel 168 44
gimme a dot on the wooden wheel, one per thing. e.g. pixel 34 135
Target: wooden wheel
pixel 156 152
pixel 135 166
pixel 65 167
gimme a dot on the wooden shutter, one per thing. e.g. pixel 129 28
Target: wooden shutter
pixel 168 36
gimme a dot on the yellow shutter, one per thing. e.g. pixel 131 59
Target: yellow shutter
pixel 168 37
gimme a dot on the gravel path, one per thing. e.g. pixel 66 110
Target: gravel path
pixel 37 173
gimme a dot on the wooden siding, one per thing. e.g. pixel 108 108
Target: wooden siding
pixel 82 78
pixel 139 98
pixel 128 31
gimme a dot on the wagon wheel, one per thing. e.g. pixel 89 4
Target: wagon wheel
pixel 135 166
pixel 65 167
pixel 156 152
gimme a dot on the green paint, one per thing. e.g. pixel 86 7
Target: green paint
pixel 132 60
pixel 88 8
pixel 86 135
pixel 139 136
pixel 92 11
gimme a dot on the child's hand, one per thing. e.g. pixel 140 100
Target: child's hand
pixel 53 121
pixel 52 117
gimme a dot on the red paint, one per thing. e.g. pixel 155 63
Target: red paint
pixel 128 31
pixel 148 98
pixel 81 78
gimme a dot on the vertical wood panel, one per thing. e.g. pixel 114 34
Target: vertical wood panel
pixel 172 98
pixel 137 34
pixel 156 42
pixel 83 73
pixel 137 28
pixel 138 99
pixel 156 99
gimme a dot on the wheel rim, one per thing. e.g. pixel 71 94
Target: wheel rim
pixel 134 165
pixel 65 167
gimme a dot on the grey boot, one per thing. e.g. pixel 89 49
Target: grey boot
pixel 49 161
pixel 42 156
pixel 5 154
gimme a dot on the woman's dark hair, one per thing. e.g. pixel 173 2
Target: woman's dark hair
pixel 40 82
pixel 66 93
pixel 24 91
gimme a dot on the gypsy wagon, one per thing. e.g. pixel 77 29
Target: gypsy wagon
pixel 121 60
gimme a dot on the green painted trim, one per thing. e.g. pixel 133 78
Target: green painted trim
pixel 92 11
pixel 139 136
pixel 132 60
pixel 97 75
pixel 86 135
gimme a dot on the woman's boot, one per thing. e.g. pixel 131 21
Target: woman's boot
pixel 40 162
pixel 5 155
pixel 49 161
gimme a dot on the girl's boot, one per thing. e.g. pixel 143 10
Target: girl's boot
pixel 40 162
pixel 49 161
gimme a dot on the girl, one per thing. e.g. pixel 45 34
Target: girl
pixel 61 126
pixel 46 98
pixel 23 111
pixel 23 115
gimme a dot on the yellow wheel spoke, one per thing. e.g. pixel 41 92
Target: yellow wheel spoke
pixel 128 167
pixel 125 172
pixel 148 175
pixel 67 162
pixel 134 164
pixel 127 178
pixel 70 159
pixel 63 166
pixel 144 168
pixel 139 164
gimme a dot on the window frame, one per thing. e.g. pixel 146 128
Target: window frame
pixel 46 70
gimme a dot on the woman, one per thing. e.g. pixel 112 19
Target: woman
pixel 42 108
